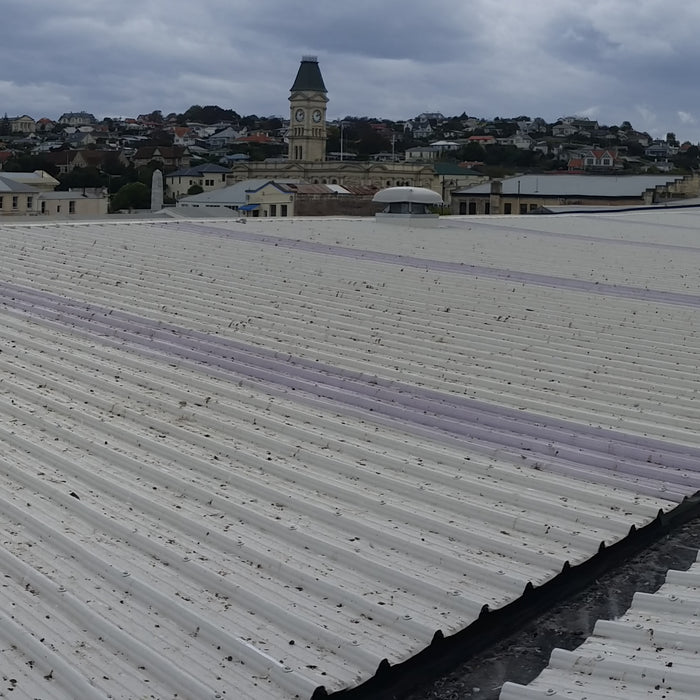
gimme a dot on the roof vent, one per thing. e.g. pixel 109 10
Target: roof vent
pixel 415 203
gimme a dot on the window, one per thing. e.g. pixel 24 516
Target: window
pixel 283 210
pixel 15 202
pixel 30 202
pixel 507 208
pixel 71 206
pixel 523 208
pixel 209 183
pixel 472 207
pixel 0 202
pixel 273 210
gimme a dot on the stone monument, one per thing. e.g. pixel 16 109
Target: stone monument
pixel 157 191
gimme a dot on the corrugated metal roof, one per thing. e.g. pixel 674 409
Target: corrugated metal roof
pixel 652 651
pixel 580 185
pixel 233 194
pixel 8 184
pixel 256 460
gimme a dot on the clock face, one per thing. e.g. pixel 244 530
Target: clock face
pixel 316 116
pixel 299 115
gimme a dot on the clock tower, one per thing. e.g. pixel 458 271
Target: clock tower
pixel 307 113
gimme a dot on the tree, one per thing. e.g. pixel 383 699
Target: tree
pixel 671 139
pixel 134 195
pixel 155 117
pixel 209 114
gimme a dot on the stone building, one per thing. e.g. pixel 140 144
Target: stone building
pixel 307 137
pixel 526 193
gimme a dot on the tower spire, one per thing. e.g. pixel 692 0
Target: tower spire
pixel 307 113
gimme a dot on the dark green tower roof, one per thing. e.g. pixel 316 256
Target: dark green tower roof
pixel 309 76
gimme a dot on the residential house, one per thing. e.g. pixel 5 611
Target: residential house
pixel 221 201
pixel 82 203
pixel 183 136
pixel 225 138
pixel 80 139
pixel 581 123
pixel 532 126
pixel 30 194
pixel 595 160
pixel 39 180
pixel 66 161
pixel 23 125
pixel 520 140
pixel 422 153
pixel 432 152
pixel 445 146
pixel 208 176
pixel 660 150
pixel 77 119
pixel 45 124
pixel 639 137
pixel 563 130
pixel 422 127
pixel 169 157
pixel 17 198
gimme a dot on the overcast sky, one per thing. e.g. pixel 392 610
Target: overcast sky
pixel 611 60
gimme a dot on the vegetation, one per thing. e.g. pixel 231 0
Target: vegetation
pixel 134 195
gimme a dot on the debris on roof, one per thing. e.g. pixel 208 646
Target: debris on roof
pixel 276 459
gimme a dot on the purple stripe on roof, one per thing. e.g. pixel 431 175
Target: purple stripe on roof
pixel 591 239
pixel 428 264
pixel 655 467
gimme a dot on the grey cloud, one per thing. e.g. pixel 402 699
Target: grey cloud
pixel 625 60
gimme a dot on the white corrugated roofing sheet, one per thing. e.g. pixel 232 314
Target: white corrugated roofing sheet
pixel 652 651
pixel 254 460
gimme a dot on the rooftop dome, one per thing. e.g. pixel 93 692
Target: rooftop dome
pixel 419 195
